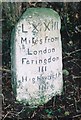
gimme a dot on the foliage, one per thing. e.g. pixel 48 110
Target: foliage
pixel 68 105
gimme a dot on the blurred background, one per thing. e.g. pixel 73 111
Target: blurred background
pixel 68 105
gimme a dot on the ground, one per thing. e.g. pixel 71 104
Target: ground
pixel 64 107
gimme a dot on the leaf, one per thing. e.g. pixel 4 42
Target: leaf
pixel 65 72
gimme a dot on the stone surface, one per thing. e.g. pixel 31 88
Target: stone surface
pixel 37 56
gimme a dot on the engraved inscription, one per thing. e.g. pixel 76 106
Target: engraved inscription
pixel 38 57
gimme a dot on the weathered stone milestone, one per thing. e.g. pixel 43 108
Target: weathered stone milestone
pixel 37 57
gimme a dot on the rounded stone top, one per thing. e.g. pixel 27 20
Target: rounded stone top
pixel 40 13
